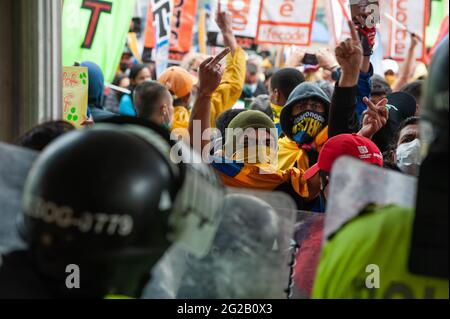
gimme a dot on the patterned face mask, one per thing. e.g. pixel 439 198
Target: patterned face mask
pixel 306 126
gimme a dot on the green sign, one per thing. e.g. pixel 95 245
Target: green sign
pixel 96 31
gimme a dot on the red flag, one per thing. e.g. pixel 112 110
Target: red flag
pixel 183 21
pixel 442 34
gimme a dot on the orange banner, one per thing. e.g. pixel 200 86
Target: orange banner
pixel 150 40
pixel 183 21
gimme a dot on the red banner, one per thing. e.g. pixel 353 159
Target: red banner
pixel 150 39
pixel 183 21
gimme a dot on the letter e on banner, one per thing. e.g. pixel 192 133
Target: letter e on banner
pixel 286 22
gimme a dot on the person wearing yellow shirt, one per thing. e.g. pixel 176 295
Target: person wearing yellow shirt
pixel 247 157
pixel 182 84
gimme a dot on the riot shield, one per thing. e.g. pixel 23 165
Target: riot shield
pixel 354 185
pixel 15 163
pixel 249 258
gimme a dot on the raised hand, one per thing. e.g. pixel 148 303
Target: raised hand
pixel 374 118
pixel 224 21
pixel 349 55
pixel 210 73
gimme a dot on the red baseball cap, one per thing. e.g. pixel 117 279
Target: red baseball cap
pixel 346 145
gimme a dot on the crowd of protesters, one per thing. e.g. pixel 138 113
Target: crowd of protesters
pixel 256 127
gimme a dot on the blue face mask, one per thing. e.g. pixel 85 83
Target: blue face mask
pixel 306 126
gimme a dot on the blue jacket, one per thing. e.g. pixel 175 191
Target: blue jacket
pixel 364 90
pixel 126 106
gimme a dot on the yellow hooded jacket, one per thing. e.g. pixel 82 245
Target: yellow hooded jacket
pixel 226 95
pixel 290 155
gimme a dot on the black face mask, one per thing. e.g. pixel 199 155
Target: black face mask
pixel 306 126
pixel 123 67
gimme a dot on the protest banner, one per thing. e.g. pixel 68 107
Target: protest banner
pixel 410 16
pixel 104 26
pixel 341 11
pixel 245 15
pixel 162 16
pixel 338 13
pixel 286 22
pixel 183 19
pixel 75 95
pixel 150 39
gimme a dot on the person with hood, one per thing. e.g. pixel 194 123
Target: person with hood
pixel 184 89
pixel 304 121
pixel 248 157
pixel 310 118
pixel 96 93
pixel 139 73
pixel 409 246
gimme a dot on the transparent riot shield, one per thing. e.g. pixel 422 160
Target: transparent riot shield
pixel 15 163
pixel 354 185
pixel 249 258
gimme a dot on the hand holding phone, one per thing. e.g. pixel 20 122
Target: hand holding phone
pixel 310 59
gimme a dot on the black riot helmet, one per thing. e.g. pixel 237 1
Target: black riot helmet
pixel 429 250
pixel 110 201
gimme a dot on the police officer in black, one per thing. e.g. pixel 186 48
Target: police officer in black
pixel 100 208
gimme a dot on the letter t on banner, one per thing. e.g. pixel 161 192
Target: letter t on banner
pixel 162 14
pixel 96 30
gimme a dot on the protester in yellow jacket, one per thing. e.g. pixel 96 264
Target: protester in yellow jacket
pixel 248 158
pixel 248 154
pixel 183 85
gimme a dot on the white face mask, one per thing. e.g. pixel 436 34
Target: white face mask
pixel 409 158
pixel 253 87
